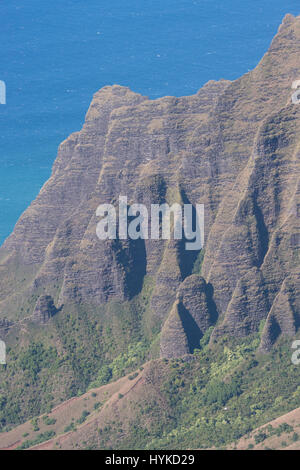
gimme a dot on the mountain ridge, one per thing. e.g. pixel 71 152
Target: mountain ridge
pixel 232 147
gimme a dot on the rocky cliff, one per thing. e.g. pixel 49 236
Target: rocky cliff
pixel 234 147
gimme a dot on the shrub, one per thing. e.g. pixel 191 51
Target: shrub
pixel 83 417
pixel 262 436
pixel 133 376
pixel 40 438
pixel 49 421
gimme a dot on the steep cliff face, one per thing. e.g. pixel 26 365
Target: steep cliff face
pixel 234 147
pixel 192 314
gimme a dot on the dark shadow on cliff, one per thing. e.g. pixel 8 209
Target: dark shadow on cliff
pixel 187 258
pixel 263 234
pixel 211 304
pixel 135 276
pixel 192 330
pixel 131 255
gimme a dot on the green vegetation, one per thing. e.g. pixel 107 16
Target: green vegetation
pixel 70 427
pixel 124 362
pixel 133 376
pixel 38 440
pixel 35 358
pixel 83 417
pixel 221 395
pixel 198 263
pixel 206 337
pixel 97 346
pixel 220 392
pixel 258 438
pixel 35 424
pixel 49 421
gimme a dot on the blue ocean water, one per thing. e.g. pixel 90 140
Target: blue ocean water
pixel 55 55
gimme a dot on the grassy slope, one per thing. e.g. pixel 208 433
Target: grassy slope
pixel 212 398
pixel 282 433
pixel 79 348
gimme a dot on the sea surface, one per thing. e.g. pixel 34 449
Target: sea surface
pixel 55 54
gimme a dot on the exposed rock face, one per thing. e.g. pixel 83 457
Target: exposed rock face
pixel 234 146
pixel 247 307
pixel 44 309
pixel 191 315
pixel 194 296
pixel 174 342
pixel 284 314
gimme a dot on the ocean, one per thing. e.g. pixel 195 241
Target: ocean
pixel 55 55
